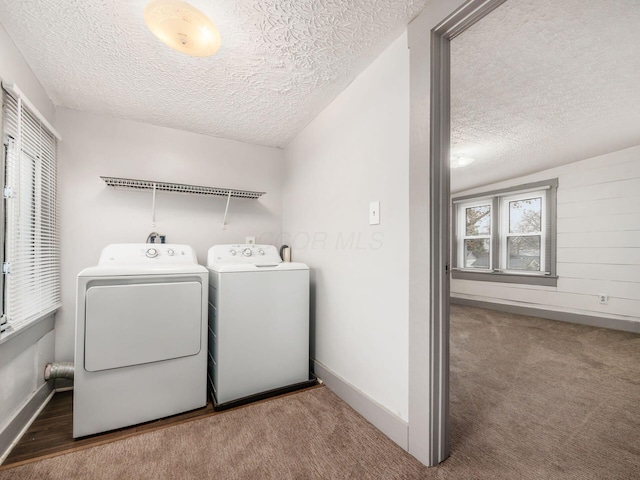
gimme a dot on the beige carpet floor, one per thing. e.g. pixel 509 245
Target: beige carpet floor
pixel 539 399
pixel 307 435
pixel 530 399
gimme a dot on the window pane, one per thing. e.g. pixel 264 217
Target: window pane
pixel 523 253
pixel 478 220
pixel 476 253
pixel 525 216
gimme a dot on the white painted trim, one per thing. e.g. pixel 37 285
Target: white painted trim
pixel 384 420
pixel 429 200
pixel 21 422
pixel 15 341
pixel 591 320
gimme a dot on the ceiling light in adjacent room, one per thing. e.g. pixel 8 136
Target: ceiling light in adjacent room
pixel 459 162
pixel 182 27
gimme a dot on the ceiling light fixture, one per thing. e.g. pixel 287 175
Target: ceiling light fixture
pixel 182 27
pixel 459 162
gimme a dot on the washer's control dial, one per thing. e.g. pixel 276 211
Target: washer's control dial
pixel 247 252
pixel 260 252
pixel 170 252
pixel 232 252
pixel 151 252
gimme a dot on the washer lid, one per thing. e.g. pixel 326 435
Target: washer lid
pixel 249 267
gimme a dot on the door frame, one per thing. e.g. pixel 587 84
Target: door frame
pixel 430 35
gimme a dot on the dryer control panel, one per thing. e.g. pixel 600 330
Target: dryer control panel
pixel 147 253
pixel 243 253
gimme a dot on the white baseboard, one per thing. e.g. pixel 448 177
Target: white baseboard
pixel 387 422
pixel 12 434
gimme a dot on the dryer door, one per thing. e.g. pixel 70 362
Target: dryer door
pixel 141 323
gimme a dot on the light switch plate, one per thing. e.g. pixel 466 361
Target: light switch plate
pixel 374 213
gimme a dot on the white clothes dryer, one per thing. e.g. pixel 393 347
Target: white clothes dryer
pixel 258 324
pixel 141 337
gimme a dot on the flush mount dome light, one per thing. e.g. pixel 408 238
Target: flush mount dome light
pixel 459 162
pixel 182 27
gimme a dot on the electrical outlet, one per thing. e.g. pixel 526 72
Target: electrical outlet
pixel 250 240
pixel 603 299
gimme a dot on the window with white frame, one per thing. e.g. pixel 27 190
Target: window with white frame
pixel 506 235
pixel 522 232
pixel 30 239
pixel 475 245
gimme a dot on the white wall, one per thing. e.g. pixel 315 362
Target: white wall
pixel 357 151
pixel 598 241
pixel 23 373
pixel 20 372
pixel 14 69
pixel 93 215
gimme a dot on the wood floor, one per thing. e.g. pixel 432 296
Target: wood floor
pixel 52 432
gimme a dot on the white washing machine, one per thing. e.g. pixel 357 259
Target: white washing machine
pixel 141 337
pixel 258 323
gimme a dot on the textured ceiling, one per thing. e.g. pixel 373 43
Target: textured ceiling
pixel 541 83
pixel 281 61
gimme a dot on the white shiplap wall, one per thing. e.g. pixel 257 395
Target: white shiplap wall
pixel 598 241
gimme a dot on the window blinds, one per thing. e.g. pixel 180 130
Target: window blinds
pixel 32 259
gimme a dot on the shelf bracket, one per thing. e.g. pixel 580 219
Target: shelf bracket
pixel 153 207
pixel 226 210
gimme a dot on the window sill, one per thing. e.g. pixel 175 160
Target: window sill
pixel 502 277
pixel 29 329
pixel 16 342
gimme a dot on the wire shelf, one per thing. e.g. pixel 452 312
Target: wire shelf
pixel 132 184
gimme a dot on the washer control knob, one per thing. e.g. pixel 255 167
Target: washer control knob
pixel 232 252
pixel 247 252
pixel 260 252
pixel 170 252
pixel 151 252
